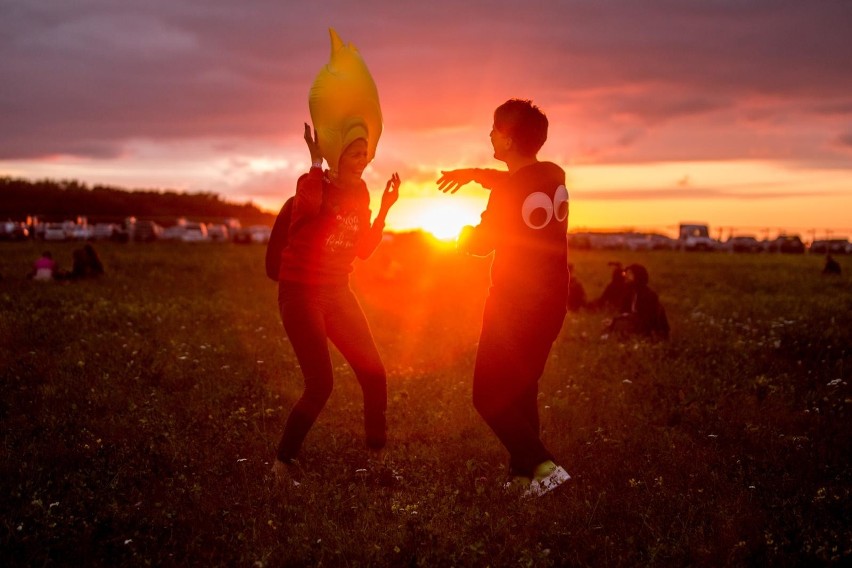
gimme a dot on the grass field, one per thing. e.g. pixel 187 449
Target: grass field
pixel 139 415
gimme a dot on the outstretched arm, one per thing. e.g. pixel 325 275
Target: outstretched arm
pixel 453 180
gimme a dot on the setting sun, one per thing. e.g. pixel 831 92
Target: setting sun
pixel 444 219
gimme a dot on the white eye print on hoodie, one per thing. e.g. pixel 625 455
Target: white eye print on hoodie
pixel 538 209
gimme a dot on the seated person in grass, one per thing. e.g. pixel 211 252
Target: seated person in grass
pixel 641 311
pixel 831 265
pixel 86 263
pixel 44 268
pixel 525 225
pixel 613 295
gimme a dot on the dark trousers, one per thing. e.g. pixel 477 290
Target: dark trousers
pixel 513 349
pixel 313 315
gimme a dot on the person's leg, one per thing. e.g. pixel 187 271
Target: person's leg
pixel 350 332
pixel 528 410
pixel 305 326
pixel 505 385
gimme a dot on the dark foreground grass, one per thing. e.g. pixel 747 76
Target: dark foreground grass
pixel 140 413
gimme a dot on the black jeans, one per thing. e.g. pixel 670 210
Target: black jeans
pixel 513 349
pixel 313 315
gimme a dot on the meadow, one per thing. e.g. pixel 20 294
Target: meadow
pixel 139 415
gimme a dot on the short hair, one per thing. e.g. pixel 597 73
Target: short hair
pixel 524 122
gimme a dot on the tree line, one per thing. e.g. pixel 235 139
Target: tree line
pixel 67 199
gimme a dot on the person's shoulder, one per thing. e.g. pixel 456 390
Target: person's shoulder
pixel 543 171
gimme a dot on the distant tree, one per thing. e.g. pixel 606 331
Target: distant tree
pixel 46 198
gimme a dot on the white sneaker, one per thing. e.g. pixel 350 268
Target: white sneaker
pixel 548 476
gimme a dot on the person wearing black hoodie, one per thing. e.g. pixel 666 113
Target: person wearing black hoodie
pixel 525 225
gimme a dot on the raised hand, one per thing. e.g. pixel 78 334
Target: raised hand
pixel 391 193
pixel 313 145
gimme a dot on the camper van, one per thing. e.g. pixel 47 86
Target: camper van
pixel 695 236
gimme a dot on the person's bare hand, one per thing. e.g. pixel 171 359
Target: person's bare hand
pixel 451 181
pixel 391 193
pixel 313 144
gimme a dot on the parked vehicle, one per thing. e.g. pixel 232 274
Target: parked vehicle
pixel 831 246
pixel 218 233
pixel 743 243
pixel 695 237
pixel 104 231
pixel 241 236
pixel 195 233
pixel 260 233
pixel 638 241
pixel 146 231
pixel 662 242
pixel 174 233
pixel 14 231
pixel 81 233
pixel 788 244
pixel 54 232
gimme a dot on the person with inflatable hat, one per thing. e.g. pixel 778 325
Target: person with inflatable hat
pixel 525 225
pixel 329 226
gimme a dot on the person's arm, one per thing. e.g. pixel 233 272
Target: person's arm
pixel 373 236
pixel 453 180
pixel 308 200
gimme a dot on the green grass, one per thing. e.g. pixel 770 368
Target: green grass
pixel 140 413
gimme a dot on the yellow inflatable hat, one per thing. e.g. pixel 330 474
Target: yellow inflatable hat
pixel 344 103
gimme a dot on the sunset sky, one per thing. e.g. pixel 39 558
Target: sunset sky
pixel 737 113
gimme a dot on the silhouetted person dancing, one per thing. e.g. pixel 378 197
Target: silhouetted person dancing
pixel 525 224
pixel 329 227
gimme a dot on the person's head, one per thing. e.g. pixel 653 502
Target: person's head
pixel 520 127
pixel 354 159
pixel 47 254
pixel 637 273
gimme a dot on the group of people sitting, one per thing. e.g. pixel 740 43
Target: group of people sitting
pixel 637 307
pixel 85 263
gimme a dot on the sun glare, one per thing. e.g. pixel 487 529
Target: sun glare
pixel 446 221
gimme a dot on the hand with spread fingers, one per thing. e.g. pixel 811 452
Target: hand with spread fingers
pixel 391 193
pixel 453 180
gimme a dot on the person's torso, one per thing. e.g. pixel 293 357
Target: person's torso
pixel 321 248
pixel 530 247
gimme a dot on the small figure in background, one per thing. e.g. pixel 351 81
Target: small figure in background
pixel 641 312
pixel 43 268
pixel 86 263
pixel 613 294
pixel 831 265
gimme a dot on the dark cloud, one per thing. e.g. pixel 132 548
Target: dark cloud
pixel 83 78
